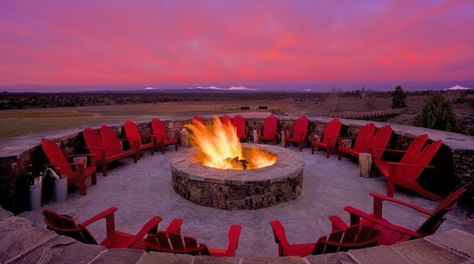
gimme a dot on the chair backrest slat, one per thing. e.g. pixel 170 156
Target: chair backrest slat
pixel 110 141
pixel 159 129
pixel 364 137
pixel 162 239
pixel 354 237
pixel 176 241
pixel 239 123
pixel 331 132
pixel 131 129
pixel 93 141
pixel 270 126
pixel 380 140
pixel 301 126
pixel 225 119
pixel 414 149
pixel 56 156
pixel 199 119
pixel 432 223
pixel 66 225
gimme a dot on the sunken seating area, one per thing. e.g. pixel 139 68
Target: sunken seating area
pixel 211 225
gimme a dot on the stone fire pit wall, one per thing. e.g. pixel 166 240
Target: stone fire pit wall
pixel 456 159
pixel 239 189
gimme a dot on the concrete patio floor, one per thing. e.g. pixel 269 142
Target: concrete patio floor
pixel 143 190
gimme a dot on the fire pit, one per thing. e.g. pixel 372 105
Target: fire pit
pixel 223 173
pixel 239 189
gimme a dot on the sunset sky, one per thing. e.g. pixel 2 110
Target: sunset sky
pixel 66 45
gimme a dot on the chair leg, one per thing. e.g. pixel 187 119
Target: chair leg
pixel 104 168
pixel 328 152
pixel 94 178
pixel 339 155
pixel 82 185
pixel 312 148
pixel 163 148
pixel 176 147
pixel 390 188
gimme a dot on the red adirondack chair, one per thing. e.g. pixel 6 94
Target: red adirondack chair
pixel 328 139
pixel 161 135
pixel 174 243
pixel 133 135
pixel 269 130
pixel 380 141
pixel 392 233
pixel 353 237
pixel 299 132
pixel 81 171
pixel 199 119
pixel 68 226
pixel 361 142
pixel 225 119
pixel 239 123
pixel 106 153
pixel 406 172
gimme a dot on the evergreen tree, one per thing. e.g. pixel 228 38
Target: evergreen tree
pixel 438 114
pixel 399 98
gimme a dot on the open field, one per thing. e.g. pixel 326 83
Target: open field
pixel 27 121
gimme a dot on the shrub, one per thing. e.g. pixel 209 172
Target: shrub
pixel 399 98
pixel 437 113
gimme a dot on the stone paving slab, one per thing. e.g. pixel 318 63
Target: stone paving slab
pixel 280 260
pixel 4 214
pixel 164 258
pixel 333 258
pixel 456 240
pixel 142 190
pixel 119 256
pixel 19 236
pixel 454 246
pixel 41 252
pixel 422 251
pixel 380 254
pixel 218 260
pixel 468 227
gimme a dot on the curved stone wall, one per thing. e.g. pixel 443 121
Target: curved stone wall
pixel 456 158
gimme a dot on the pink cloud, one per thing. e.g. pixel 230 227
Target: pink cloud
pixel 90 42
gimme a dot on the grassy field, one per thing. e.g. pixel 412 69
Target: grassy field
pixel 28 121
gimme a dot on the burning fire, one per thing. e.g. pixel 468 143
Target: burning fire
pixel 219 147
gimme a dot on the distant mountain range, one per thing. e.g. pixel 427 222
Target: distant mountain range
pixel 254 88
pixel 457 88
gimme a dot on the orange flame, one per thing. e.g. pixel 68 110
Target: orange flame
pixel 219 147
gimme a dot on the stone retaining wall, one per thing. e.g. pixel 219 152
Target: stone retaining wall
pixel 21 242
pixel 455 160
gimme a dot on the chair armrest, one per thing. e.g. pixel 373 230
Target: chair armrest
pixel 175 226
pixel 379 198
pixel 64 164
pixel 100 148
pixel 150 227
pixel 337 223
pixel 357 214
pixel 80 155
pixel 104 214
pixel 396 164
pixel 389 150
